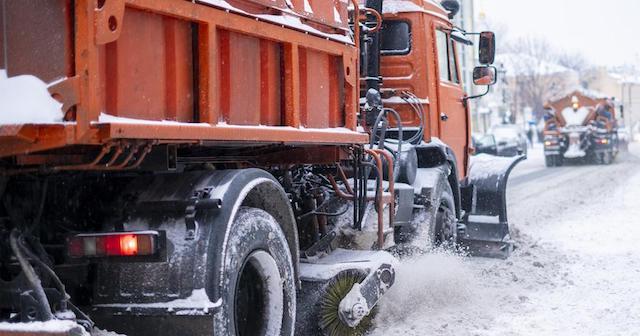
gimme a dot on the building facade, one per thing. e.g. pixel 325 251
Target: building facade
pixel 625 89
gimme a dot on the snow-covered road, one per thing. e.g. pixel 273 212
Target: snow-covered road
pixel 576 270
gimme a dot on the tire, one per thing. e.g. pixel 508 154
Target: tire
pixel 549 161
pixel 445 228
pixel 604 158
pixel 258 285
pixel 431 226
pixel 553 160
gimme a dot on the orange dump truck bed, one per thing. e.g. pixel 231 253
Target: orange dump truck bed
pixel 178 71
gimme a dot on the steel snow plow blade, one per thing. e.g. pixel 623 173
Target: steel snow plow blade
pixel 486 227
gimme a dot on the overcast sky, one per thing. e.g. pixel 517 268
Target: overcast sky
pixel 606 31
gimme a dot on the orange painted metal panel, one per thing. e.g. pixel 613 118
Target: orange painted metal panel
pixel 240 79
pixel 316 90
pixel 149 69
pixel 332 13
pixel 583 100
pixel 271 83
pixel 413 73
pixel 47 54
pixel 194 63
pixel 201 132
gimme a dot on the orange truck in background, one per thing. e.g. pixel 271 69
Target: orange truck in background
pixel 581 125
pixel 232 167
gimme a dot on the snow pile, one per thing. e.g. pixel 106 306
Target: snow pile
pixel 405 6
pixel 394 7
pixel 50 327
pixel 575 271
pixel 574 152
pixel 26 100
pixel 290 20
pixel 575 118
pixel 100 332
pixel 198 300
pixel 485 165
pixel 105 118
pixel 438 284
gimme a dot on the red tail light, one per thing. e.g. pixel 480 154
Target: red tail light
pixel 116 244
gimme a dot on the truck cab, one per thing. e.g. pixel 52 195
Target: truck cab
pixel 419 55
pixel 420 52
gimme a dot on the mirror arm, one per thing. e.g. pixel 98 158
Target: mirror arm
pixel 466 99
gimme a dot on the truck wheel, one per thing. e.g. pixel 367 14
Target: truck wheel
pixel 445 229
pixel 603 158
pixel 549 161
pixel 553 160
pixel 431 226
pixel 259 293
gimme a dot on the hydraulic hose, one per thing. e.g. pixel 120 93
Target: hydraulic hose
pixel 32 277
pixel 382 117
pixel 48 269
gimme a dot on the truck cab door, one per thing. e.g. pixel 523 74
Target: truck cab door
pixel 453 119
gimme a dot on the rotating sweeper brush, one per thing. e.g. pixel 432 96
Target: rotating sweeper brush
pixel 331 323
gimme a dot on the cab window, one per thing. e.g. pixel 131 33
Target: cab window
pixel 447 62
pixel 395 38
pixel 453 61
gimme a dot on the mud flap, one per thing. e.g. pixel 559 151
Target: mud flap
pixel 485 229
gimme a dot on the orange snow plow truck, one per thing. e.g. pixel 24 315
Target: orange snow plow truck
pixel 232 167
pixel 582 125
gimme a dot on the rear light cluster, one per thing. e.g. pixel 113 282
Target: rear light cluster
pixel 116 244
pixel 602 141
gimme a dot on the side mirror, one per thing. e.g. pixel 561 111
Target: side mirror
pixel 485 75
pixel 487 48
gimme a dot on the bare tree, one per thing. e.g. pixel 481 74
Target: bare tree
pixel 534 74
pixel 574 61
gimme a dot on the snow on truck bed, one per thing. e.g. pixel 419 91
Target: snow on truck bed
pixel 54 327
pixel 26 100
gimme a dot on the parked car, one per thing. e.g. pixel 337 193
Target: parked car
pixel 484 143
pixel 511 139
pixel 487 144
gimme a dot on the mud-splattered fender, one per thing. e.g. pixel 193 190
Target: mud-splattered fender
pixel 196 263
